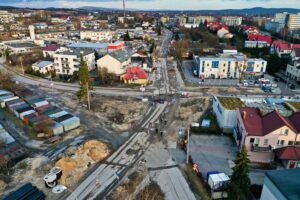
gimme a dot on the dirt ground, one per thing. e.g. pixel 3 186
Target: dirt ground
pixel 114 114
pixel 74 163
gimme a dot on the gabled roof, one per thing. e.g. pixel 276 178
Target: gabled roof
pixel 288 153
pixel 135 73
pixel 120 55
pixel 258 125
pixel 297 52
pixel 51 47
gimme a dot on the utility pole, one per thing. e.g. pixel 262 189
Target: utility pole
pixel 88 95
pixel 21 61
pixel 188 146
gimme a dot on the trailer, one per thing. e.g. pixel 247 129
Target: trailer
pixel 3 101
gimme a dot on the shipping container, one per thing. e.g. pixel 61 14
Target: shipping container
pixel 28 98
pixel 58 129
pixel 58 114
pixel 6 96
pixel 21 110
pixel 27 118
pixel 40 103
pixel 6 137
pixel 23 114
pixel 51 112
pixel 32 101
pixel 63 118
pixel 42 108
pixel 3 101
pixel 36 120
pixel 71 123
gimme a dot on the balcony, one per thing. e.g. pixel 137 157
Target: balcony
pixel 261 149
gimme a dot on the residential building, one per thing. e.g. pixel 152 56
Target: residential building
pixel 103 35
pixel 118 45
pixel 226 109
pixel 228 66
pixel 164 19
pixel 224 33
pixel 135 75
pixel 262 134
pixel 68 62
pixel 255 44
pixel 20 46
pixel 232 20
pixel 293 23
pixel 281 18
pixel 31 32
pixel 122 20
pixel 99 47
pixel 50 49
pixel 281 185
pixel 293 70
pixel 116 62
pixel 6 17
pixel 260 37
pixel 203 19
pixel 282 48
pixel 289 156
pixel 273 26
pixel 43 66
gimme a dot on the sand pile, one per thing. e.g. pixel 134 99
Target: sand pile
pixel 83 157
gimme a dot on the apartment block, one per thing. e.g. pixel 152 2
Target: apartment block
pixel 232 20
pixel 103 35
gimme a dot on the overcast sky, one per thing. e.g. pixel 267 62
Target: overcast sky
pixel 157 4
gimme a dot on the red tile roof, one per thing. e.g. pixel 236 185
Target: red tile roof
pixel 295 119
pixel 135 73
pixel 258 125
pixel 51 47
pixel 259 37
pixel 288 153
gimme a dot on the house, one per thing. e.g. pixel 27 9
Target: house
pixel 118 45
pixel 293 70
pixel 282 48
pixel 50 49
pixel 232 20
pixel 101 35
pixel 262 134
pixel 281 185
pixel 99 47
pixel 228 65
pixel 226 110
pixel 256 44
pixel 224 33
pixel 116 62
pixel 67 62
pixel 289 156
pixel 43 66
pixel 261 38
pixel 135 75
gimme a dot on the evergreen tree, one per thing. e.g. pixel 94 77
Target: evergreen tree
pixel 176 37
pixel 126 36
pixel 239 186
pixel 84 78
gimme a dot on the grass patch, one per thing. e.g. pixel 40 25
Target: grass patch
pixel 196 184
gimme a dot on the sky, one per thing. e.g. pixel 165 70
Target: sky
pixel 156 4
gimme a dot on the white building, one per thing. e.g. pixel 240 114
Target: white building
pixel 122 19
pixel 31 32
pixel 293 71
pixel 228 65
pixel 226 109
pixel 232 20
pixel 67 62
pixel 255 44
pixel 281 17
pixel 103 35
pixel 116 62
pixel 43 66
pixel 6 17
pixel 224 33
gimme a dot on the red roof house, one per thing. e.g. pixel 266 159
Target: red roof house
pixel 290 156
pixel 135 75
pixel 51 47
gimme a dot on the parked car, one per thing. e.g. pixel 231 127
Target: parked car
pixel 277 79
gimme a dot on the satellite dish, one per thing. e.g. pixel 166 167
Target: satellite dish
pixel 59 189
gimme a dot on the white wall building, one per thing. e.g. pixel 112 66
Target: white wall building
pixel 67 62
pixel 6 17
pixel 228 66
pixel 254 44
pixel 103 35
pixel 43 66
pixel 293 23
pixel 293 71
pixel 31 32
pixel 281 17
pixel 232 20
pixel 226 109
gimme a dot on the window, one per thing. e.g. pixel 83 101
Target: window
pixel 256 142
pixel 286 132
pixel 297 143
pixel 252 140
pixel 266 142
pixel 291 143
pixel 280 142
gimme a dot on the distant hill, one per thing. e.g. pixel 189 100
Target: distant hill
pixel 91 8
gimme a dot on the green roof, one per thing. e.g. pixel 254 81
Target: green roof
pixel 231 103
pixel 120 55
pixel 287 181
